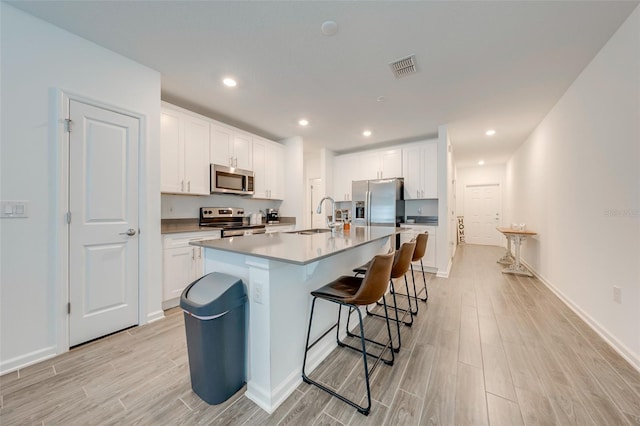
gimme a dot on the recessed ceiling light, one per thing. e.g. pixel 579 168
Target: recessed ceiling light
pixel 303 122
pixel 490 132
pixel 481 163
pixel 381 99
pixel 329 28
pixel 229 82
pixel 366 133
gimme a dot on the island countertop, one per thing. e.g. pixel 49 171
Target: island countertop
pixel 299 249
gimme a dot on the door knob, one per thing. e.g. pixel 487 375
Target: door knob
pixel 130 232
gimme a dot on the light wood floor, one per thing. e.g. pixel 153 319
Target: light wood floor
pixel 487 348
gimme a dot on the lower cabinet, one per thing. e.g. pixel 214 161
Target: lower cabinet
pixel 429 259
pixel 181 264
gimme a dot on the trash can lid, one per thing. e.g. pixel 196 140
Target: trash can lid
pixel 213 294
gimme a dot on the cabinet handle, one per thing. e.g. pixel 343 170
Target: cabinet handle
pixel 182 185
pixel 189 186
pixel 193 254
pixel 231 161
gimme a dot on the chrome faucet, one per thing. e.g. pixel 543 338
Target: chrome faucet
pixel 331 224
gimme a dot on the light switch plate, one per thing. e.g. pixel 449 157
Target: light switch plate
pixel 14 209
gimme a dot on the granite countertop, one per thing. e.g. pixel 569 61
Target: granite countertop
pixel 299 249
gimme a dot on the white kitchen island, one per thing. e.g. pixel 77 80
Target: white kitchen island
pixel 280 270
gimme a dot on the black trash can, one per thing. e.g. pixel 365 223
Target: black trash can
pixel 214 319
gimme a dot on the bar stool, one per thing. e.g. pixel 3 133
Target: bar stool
pixel 418 254
pixel 353 292
pixel 401 263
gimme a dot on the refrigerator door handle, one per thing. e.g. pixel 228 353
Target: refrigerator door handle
pixel 367 208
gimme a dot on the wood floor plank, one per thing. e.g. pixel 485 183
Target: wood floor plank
pixel 469 350
pixel 376 416
pixel 497 375
pixel 561 371
pixel 471 402
pixel 405 409
pixel 416 376
pixel 535 408
pixel 326 420
pixel 308 408
pixel 503 412
pixel 262 418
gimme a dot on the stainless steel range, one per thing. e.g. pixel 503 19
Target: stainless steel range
pixel 230 220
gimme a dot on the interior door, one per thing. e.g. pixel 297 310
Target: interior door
pixel 482 206
pixel 103 233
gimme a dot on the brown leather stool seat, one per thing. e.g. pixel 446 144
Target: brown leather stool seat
pixel 401 264
pixel 353 292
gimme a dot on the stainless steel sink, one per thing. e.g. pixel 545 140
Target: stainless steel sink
pixel 313 231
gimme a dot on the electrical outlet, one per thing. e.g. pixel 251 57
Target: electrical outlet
pixel 257 293
pixel 617 294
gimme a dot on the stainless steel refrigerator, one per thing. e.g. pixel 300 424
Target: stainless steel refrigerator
pixel 377 202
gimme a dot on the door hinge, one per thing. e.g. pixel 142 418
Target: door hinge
pixel 67 125
pixel 68 217
pixel 69 308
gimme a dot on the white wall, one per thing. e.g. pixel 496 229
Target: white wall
pixel 38 58
pixel 576 181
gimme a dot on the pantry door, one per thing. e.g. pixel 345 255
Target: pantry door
pixel 103 228
pixel 482 207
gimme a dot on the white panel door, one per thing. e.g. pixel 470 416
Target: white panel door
pixel 482 206
pixel 103 234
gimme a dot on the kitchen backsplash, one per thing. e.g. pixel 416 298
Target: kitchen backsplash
pixel 186 206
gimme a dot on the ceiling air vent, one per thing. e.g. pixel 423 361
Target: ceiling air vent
pixel 404 66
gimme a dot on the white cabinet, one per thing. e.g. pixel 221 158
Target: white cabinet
pixel 184 152
pixel 268 168
pixel 420 170
pixel 231 147
pixel 181 263
pixel 380 164
pixel 345 171
pixel 429 259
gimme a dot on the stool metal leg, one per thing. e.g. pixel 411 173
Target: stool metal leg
pixel 363 350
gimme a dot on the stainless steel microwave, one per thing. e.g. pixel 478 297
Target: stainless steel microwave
pixel 230 180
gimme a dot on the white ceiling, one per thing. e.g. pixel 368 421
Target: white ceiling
pixel 482 65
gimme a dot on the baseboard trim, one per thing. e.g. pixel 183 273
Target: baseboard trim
pixel 611 340
pixel 26 360
pixel 155 316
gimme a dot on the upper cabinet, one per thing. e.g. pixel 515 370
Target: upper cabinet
pixel 420 170
pixel 345 171
pixel 231 147
pixel 380 164
pixel 367 165
pixel 268 168
pixel 184 152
